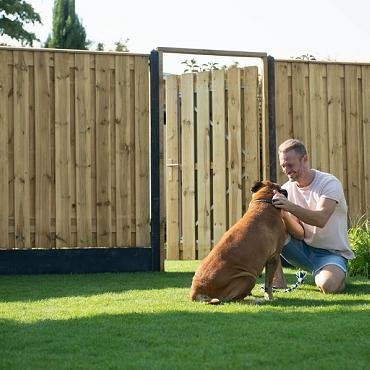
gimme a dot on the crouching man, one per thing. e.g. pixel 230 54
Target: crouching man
pixel 315 215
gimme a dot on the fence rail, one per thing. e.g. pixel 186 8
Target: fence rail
pixel 74 149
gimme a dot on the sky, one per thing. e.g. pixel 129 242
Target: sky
pixel 337 30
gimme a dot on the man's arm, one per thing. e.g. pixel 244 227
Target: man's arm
pixel 318 217
pixel 293 226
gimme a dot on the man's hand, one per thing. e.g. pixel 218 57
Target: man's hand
pixel 281 202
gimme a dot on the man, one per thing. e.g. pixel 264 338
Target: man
pixel 315 215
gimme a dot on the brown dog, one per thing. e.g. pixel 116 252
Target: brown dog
pixel 230 270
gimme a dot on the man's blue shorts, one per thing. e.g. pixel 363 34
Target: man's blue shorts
pixel 299 254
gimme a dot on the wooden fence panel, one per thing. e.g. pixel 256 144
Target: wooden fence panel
pixel 338 110
pixel 74 149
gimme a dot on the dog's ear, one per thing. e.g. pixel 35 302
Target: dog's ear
pixel 256 186
pixel 284 192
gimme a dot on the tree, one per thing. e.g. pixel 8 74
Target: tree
pixel 14 14
pixel 68 32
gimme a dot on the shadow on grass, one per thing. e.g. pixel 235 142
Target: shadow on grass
pixel 186 340
pixel 37 287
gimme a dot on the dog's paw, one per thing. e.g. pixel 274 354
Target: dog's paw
pixel 269 298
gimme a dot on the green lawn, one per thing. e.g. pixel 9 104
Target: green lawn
pixel 146 321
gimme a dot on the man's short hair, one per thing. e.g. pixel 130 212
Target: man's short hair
pixel 293 144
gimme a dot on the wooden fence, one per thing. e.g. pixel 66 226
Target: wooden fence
pixel 74 149
pixel 212 155
pixel 327 106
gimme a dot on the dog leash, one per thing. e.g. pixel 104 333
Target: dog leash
pixel 300 275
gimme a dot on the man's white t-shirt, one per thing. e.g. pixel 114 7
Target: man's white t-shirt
pixel 333 235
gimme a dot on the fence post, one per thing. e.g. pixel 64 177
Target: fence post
pixel 154 159
pixel 271 110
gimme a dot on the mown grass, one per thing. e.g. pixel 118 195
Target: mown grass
pixel 146 321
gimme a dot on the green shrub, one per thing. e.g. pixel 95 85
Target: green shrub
pixel 359 238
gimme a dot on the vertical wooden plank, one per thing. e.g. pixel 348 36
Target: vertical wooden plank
pixel 10 149
pixel 112 118
pixel 203 165
pixel 318 118
pixel 42 144
pixel 283 128
pixel 251 129
pixel 83 151
pixel 73 148
pixel 219 154
pixel 187 155
pixel 335 120
pixel 299 73
pixel 353 142
pixel 52 209
pixel 5 57
pixel 21 151
pixel 366 133
pixel 124 149
pixel 63 149
pixel 172 168
pixel 133 156
pixel 234 133
pixel 32 149
pixel 142 151
pixel 93 110
pixel 103 146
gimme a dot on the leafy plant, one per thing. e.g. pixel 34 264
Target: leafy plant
pixel 306 57
pixel 191 65
pixel 359 237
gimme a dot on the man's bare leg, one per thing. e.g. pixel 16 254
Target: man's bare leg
pixel 279 278
pixel 330 279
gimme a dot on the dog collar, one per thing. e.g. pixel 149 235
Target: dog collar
pixel 268 200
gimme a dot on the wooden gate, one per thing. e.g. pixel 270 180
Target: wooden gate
pixel 213 155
